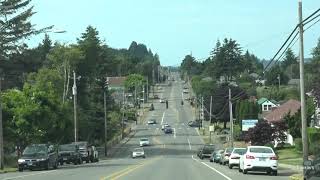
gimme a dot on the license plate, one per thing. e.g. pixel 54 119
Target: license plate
pixel 30 163
pixel 262 159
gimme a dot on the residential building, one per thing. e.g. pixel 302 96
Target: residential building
pixel 290 107
pixel 267 105
pixel 116 86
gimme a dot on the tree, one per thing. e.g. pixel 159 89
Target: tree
pixel 133 81
pixel 264 133
pixel 15 25
pixel 273 74
pixel 227 59
pixel 246 109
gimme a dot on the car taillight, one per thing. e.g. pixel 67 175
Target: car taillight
pixel 250 157
pixel 274 158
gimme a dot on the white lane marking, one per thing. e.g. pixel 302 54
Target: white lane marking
pixel 174 133
pixel 189 144
pixel 197 131
pixel 195 159
pixel 162 117
pixel 27 175
pixel 216 171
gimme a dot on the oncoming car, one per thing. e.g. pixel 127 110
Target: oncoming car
pixel 259 158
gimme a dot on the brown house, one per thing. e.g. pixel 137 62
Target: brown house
pixel 290 107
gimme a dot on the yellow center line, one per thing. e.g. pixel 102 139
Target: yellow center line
pixel 125 171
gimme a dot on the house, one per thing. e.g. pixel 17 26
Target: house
pixel 116 85
pixel 290 107
pixel 294 82
pixel 267 105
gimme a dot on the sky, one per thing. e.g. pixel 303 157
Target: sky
pixel 175 28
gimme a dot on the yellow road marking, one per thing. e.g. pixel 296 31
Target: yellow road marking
pixel 127 170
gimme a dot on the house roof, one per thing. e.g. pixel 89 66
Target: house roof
pixel 262 100
pixel 116 81
pixel 274 101
pixel 290 107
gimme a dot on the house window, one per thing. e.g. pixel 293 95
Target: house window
pixel 269 107
pixel 265 107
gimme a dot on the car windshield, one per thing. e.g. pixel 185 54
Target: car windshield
pixel 138 150
pixel 239 151
pixel 67 147
pixel 261 150
pixel 229 150
pixel 144 139
pixel 36 149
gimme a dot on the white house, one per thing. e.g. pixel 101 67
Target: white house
pixel 267 105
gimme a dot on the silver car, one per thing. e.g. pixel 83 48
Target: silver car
pixel 138 152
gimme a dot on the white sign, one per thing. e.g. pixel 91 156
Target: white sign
pixel 248 123
pixel 211 128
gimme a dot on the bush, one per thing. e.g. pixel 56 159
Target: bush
pixel 313 135
pixel 237 132
pixel 298 144
pixel 314 149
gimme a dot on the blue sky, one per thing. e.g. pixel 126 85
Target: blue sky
pixel 174 28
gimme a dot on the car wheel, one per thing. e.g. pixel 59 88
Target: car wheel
pixel 244 171
pixel 55 166
pixel 240 170
pixel 20 169
pixel 47 166
pixel 144 156
pixel 275 173
pixel 211 160
pixel 230 166
pixel 75 162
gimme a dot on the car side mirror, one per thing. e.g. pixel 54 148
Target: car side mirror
pixel 307 163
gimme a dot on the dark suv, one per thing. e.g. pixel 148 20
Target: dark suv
pixel 38 156
pixel 69 153
pixel 206 151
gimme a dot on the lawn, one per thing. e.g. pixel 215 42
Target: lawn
pixel 289 156
pixel 6 170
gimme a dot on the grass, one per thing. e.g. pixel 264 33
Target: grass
pixel 289 156
pixel 296 177
pixel 6 170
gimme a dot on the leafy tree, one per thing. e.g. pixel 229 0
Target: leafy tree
pixel 15 25
pixel 263 133
pixel 133 81
pixel 227 59
pixel 246 109
pixel 273 74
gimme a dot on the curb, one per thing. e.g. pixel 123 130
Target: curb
pixel 297 168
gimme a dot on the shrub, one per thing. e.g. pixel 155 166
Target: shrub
pixel 313 135
pixel 298 144
pixel 237 132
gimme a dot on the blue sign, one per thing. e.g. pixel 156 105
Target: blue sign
pixel 248 123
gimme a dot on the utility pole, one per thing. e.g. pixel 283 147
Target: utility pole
pixel 231 119
pixel 158 74
pixel 210 116
pixel 122 121
pixel 143 99
pixel 1 131
pixel 135 95
pixel 305 147
pixel 202 112
pixel 147 98
pixel 74 90
pixel 105 117
pixel 279 80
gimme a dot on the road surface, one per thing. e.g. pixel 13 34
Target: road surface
pixel 168 156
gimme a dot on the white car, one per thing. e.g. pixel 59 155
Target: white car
pixel 164 125
pixel 259 158
pixel 138 152
pixel 144 142
pixel 235 157
pixel 162 100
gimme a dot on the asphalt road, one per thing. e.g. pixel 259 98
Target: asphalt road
pixel 168 157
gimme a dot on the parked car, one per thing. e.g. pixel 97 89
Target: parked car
pixel 38 156
pixel 194 123
pixel 206 151
pixel 259 158
pixel 168 130
pixel 69 153
pixel 311 170
pixel 162 100
pixel 138 152
pixel 144 142
pixel 152 121
pixel 225 156
pixel 216 156
pixel 235 156
pixel 88 153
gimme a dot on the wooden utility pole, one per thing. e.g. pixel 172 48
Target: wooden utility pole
pixel 305 147
pixel 231 119
pixel 1 131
